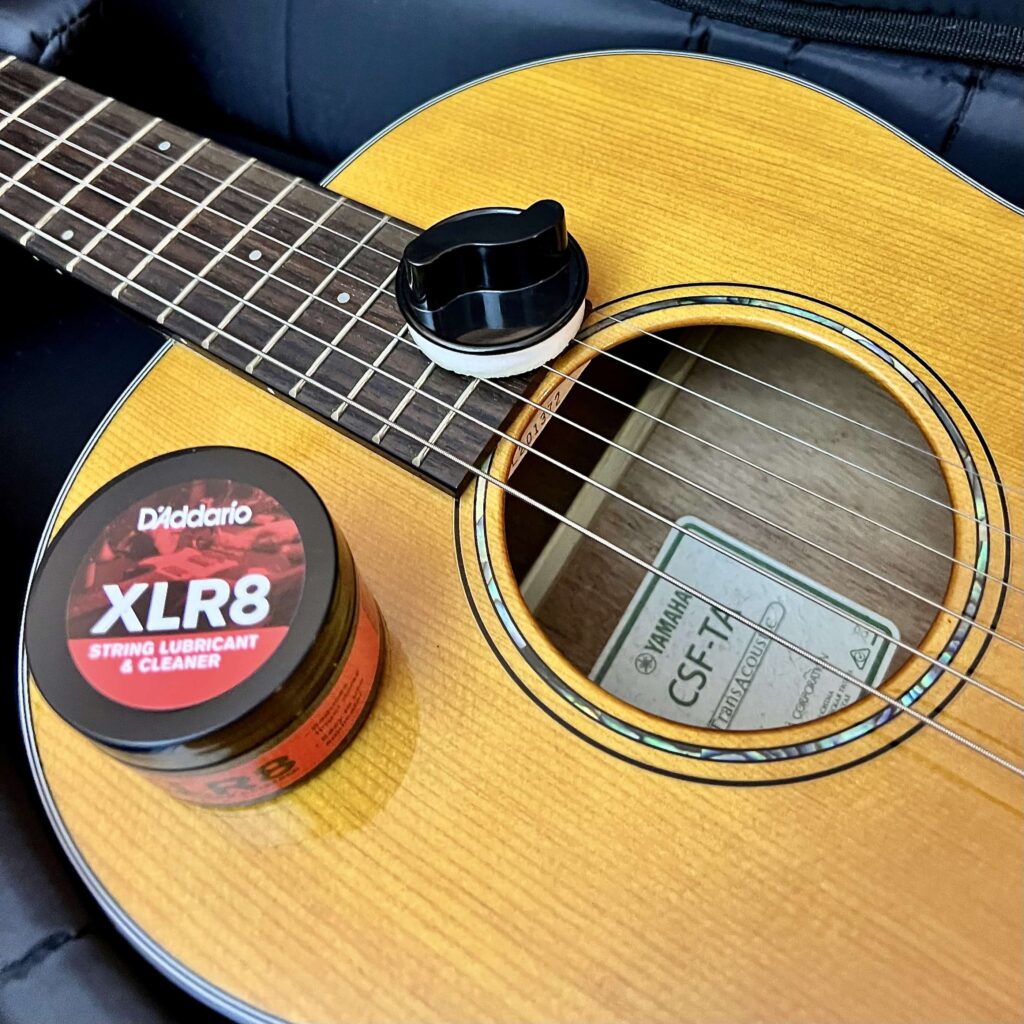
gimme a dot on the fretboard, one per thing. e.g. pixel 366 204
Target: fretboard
pixel 279 279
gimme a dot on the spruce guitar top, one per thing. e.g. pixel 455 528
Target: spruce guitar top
pixel 704 638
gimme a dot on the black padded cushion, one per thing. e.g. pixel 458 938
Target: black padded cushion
pixel 44 31
pixel 321 78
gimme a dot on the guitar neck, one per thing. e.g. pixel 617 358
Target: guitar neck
pixel 275 277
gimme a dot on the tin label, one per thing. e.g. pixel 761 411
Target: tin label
pixel 309 744
pixel 676 656
pixel 185 594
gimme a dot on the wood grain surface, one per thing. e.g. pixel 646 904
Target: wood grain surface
pixel 485 850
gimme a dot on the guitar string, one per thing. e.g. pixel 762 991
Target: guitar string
pixel 675 428
pixel 802 399
pixel 921 450
pixel 803 442
pixel 697 438
pixel 117 135
pixel 768 521
pixel 728 553
pixel 818 407
pixel 938 606
pixel 636 455
pixel 732 455
pixel 114 133
pixel 725 366
pixel 598 351
pixel 637 560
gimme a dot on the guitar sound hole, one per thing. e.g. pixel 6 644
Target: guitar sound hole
pixel 831 580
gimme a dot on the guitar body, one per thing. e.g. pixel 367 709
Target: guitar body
pixel 490 847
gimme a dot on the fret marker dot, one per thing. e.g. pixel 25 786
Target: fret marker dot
pixel 66 236
pixel 164 146
pixel 344 297
pixel 255 255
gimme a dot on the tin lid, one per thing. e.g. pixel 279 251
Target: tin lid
pixel 182 597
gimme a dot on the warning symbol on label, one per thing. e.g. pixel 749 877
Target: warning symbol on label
pixel 860 656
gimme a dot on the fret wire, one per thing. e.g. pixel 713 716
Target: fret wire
pixel 382 289
pixel 332 345
pixel 279 174
pixel 638 560
pixel 7 60
pixel 85 181
pixel 260 279
pixel 410 394
pixel 204 241
pixel 40 158
pixel 798 440
pixel 219 213
pixel 379 289
pixel 221 253
pixel 368 373
pixel 242 192
pixel 267 274
pixel 443 425
pixel 15 114
pixel 179 228
pixel 132 204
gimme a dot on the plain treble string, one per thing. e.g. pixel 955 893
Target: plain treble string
pixel 657 377
pixel 925 451
pixel 615 494
pixel 503 486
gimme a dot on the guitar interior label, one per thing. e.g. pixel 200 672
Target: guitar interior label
pixel 185 594
pixel 542 417
pixel 675 656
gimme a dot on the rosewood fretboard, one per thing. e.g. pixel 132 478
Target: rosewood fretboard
pixel 280 279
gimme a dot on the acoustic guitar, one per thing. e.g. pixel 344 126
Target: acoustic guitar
pixel 703 694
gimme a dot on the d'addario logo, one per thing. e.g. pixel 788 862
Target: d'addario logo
pixel 168 518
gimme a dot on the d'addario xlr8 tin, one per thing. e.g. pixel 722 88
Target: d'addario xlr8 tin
pixel 201 619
